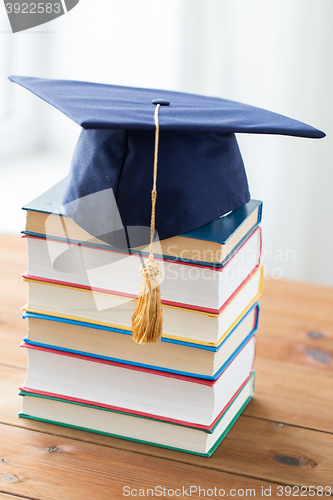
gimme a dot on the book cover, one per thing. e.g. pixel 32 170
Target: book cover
pixel 236 404
pixel 219 231
pixel 114 272
pixel 194 322
pixel 125 296
pixel 254 309
pixel 134 388
pixel 25 391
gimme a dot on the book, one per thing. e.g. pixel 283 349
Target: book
pixel 170 355
pixel 201 440
pixel 198 325
pixel 211 244
pixel 117 272
pixel 136 389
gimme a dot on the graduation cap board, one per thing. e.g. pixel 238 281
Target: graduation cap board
pixel 201 174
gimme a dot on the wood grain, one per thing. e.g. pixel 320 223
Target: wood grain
pixel 5 496
pixel 310 303
pixel 10 380
pixel 254 448
pixel 293 394
pixel 13 295
pixel 51 467
pixel 293 340
pixel 296 325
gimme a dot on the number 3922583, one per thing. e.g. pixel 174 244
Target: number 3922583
pixel 33 8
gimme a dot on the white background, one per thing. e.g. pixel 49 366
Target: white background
pixel 272 54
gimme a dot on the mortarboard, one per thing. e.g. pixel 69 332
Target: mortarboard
pixel 201 174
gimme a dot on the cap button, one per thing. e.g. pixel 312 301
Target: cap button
pixel 162 102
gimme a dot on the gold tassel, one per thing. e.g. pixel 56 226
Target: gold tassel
pixel 147 320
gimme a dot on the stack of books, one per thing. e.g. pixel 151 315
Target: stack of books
pixel 85 371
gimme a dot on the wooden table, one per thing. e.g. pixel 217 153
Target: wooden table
pixel 284 437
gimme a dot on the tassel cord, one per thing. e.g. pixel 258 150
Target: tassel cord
pixel 147 320
pixel 154 191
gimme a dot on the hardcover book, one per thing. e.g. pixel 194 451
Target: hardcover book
pixel 181 436
pixel 137 389
pixel 213 243
pixel 117 272
pixel 181 322
pixel 184 358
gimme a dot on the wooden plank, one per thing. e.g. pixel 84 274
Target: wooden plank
pixel 296 324
pixel 52 468
pixel 13 295
pixel 255 448
pixel 10 380
pixel 298 300
pixel 293 341
pixel 6 496
pixel 293 394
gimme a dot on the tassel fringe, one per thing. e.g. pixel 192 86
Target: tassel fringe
pixel 147 320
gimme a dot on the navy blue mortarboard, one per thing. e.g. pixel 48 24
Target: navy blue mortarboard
pixel 113 182
pixel 201 174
